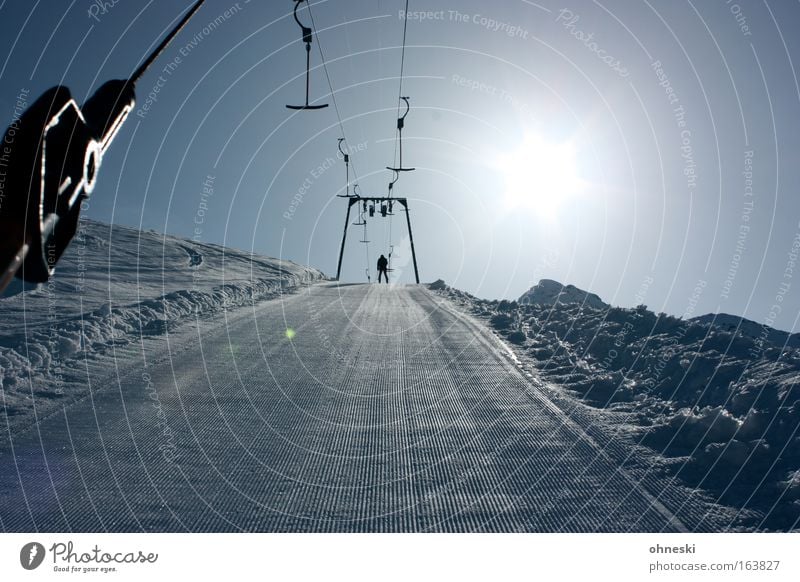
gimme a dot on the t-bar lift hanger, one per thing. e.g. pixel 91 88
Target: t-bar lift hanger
pixel 347 169
pixel 400 124
pixel 307 38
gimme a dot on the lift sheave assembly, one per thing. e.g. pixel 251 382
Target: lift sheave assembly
pixel 54 159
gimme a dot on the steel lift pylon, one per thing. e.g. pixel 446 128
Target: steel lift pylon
pixel 352 200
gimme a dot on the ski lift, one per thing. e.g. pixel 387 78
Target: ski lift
pixel 57 155
pixel 307 38
pixel 364 205
pixel 400 125
pixel 384 210
pixel 347 170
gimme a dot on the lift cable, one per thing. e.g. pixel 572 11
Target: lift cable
pixel 389 239
pixel 333 93
pixel 362 208
pixel 403 55
pixel 397 140
pixel 402 73
pixel 362 216
pixel 367 205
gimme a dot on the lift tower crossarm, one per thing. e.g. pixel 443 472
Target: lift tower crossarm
pixel 377 199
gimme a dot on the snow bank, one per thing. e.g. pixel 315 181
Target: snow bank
pixel 717 397
pixel 113 285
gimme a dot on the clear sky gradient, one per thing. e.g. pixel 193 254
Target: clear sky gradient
pixel 645 151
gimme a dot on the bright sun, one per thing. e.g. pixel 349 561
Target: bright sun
pixel 538 176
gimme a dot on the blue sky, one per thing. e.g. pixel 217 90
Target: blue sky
pixel 644 151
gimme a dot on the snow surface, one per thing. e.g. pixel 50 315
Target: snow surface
pixel 388 410
pixel 717 396
pixel 157 374
pixel 113 286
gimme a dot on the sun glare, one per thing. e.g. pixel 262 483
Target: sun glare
pixel 538 176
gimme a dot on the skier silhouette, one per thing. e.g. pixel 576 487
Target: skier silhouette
pixel 383 269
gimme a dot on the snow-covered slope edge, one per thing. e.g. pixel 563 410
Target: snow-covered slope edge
pixel 718 405
pixel 114 285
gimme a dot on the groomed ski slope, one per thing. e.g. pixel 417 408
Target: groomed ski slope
pixel 387 410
